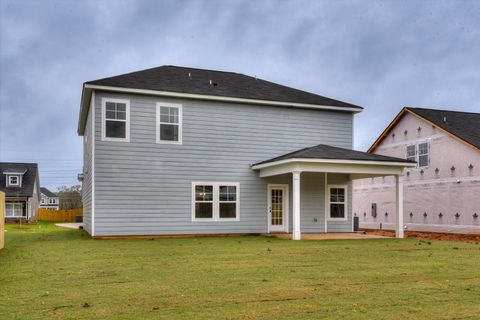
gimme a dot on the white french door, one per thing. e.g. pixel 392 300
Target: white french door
pixel 278 208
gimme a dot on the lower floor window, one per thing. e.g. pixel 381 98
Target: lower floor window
pixel 337 202
pixel 14 209
pixel 216 201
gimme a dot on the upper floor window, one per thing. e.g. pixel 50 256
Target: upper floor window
pixel 420 153
pixel 169 123
pixel 423 154
pixel 115 119
pixel 13 181
pixel 52 201
pixel 411 152
pixel 215 201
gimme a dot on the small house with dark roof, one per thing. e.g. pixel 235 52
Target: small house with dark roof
pixel 20 183
pixel 442 193
pixel 49 200
pixel 184 151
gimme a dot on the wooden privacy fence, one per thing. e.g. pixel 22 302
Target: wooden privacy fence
pixel 2 220
pixel 59 215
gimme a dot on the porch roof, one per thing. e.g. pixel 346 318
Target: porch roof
pixel 325 158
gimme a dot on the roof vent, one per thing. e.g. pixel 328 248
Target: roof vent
pixel 213 83
pixel 445 119
pixel 189 76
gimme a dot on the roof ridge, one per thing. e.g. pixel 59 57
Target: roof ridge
pixel 442 110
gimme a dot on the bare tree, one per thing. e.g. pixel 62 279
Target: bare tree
pixel 70 197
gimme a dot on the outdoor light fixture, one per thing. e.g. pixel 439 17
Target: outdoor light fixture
pixel 408 173
pixel 437 170
pixel 424 214
pixel 419 129
pixel 411 214
pixel 470 166
pixel 393 135
pixel 386 214
pixel 475 215
pixel 452 168
pixel 405 132
pixel 422 172
pixel 457 215
pixel 440 215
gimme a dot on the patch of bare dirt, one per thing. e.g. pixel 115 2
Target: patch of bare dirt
pixel 472 238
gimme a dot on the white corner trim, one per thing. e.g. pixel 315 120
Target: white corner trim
pixel 220 98
pixel 335 161
pixel 216 201
pixel 325 192
pixel 92 169
pixel 127 119
pixel 180 122
pixel 344 186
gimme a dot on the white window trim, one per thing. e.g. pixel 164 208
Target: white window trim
pixel 344 186
pixel 13 184
pixel 180 122
pixel 417 154
pixel 216 200
pixel 127 119
pixel 13 204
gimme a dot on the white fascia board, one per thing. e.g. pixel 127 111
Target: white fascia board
pixel 220 98
pixel 333 161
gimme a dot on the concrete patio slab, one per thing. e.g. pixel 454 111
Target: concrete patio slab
pixel 70 225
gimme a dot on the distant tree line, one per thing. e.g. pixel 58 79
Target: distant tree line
pixel 70 197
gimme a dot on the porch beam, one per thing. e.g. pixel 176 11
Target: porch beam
pixel 399 233
pixel 296 234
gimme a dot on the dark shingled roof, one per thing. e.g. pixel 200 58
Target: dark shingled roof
pixel 323 151
pixel 47 192
pixel 224 84
pixel 464 125
pixel 28 181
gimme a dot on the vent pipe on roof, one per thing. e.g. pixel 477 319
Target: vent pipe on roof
pixel 189 76
pixel 445 119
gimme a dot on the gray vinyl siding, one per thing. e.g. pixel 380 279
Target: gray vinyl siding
pixel 87 172
pixel 145 188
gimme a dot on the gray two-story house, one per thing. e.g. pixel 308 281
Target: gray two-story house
pixel 184 151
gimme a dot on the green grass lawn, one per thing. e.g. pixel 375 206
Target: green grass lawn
pixel 52 273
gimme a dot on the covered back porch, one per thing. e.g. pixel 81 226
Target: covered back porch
pixel 310 190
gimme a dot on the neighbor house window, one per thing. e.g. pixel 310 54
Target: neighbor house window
pixel 337 196
pixel 169 123
pixel 423 154
pixel 52 201
pixel 115 119
pixel 13 181
pixel 13 209
pixel 411 152
pixel 419 153
pixel 215 201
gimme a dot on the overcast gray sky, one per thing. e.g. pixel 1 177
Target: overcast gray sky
pixel 381 55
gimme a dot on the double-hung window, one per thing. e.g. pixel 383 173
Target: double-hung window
pixel 337 204
pixel 411 152
pixel 115 119
pixel 423 154
pixel 215 201
pixel 169 123
pixel 420 153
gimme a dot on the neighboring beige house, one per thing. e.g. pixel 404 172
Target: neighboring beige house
pixel 443 192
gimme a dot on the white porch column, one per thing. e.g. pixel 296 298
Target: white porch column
pixel 399 205
pixel 296 235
